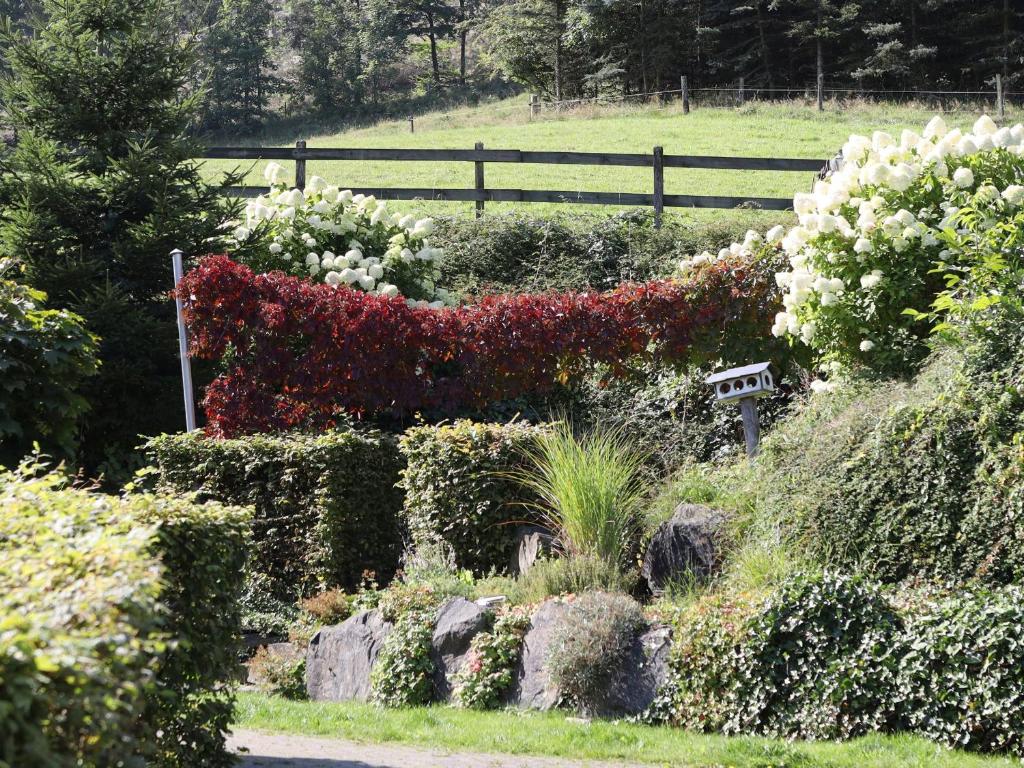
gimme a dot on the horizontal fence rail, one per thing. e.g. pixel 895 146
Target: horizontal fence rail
pixel 481 194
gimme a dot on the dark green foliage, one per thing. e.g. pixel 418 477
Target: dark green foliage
pixel 326 506
pixel 120 645
pixel 45 355
pixel 521 254
pixel 834 656
pixel 99 189
pixel 818 661
pixel 961 678
pixel 589 644
pixel 238 51
pixel 458 489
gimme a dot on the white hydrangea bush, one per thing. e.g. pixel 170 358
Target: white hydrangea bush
pixel 329 235
pixel 882 237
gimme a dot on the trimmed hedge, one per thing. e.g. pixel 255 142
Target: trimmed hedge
pixel 119 630
pixel 836 656
pixel 457 489
pixel 326 506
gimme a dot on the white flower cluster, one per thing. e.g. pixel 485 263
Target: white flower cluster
pixel 874 230
pixel 341 239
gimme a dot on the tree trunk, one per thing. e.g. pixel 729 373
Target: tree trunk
pixel 765 54
pixel 559 13
pixel 432 36
pixel 462 42
pixel 820 53
pixel 1006 43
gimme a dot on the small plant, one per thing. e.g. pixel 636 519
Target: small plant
pixel 492 660
pixel 402 675
pixel 571 576
pixel 590 644
pixel 330 607
pixel 279 674
pixel 590 490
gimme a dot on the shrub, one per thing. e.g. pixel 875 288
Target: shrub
pixel 289 366
pixel 45 355
pixel 331 236
pixel 961 680
pixel 121 645
pixel 490 666
pixel 326 506
pixel 518 252
pixel 457 489
pixel 818 661
pixel 882 238
pixel 589 490
pixel 589 645
pixel 570 576
pixel 330 607
pixel 278 674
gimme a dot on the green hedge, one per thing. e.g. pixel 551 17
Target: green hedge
pixel 118 636
pixel 326 506
pixel 457 489
pixel 835 656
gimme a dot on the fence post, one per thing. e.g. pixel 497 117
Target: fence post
pixel 480 189
pixel 300 165
pixel 186 365
pixel 659 185
pixel 534 104
pixel 412 124
pixel 685 89
pixel 1000 99
pixel 739 94
pixel 821 92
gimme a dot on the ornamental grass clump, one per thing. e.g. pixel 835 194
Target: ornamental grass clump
pixel 590 491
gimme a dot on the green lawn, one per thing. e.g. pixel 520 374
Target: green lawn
pixel 756 130
pixel 552 734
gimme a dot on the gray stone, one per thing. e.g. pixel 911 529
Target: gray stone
pixel 458 622
pixel 646 667
pixel 532 688
pixel 340 658
pixel 532 543
pixel 686 547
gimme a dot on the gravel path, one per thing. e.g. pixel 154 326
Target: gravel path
pixel 274 750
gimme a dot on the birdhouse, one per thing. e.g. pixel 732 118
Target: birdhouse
pixel 749 381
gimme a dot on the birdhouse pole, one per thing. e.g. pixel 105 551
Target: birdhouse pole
pixel 751 425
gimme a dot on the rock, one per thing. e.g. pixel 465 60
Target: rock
pixel 686 546
pixel 340 658
pixel 645 669
pixel 532 688
pixel 458 622
pixel 532 542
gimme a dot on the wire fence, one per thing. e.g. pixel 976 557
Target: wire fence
pixel 835 98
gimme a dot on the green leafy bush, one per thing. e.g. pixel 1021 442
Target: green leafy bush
pixel 326 506
pixel 589 644
pixel 961 678
pixel 520 253
pixel 402 675
pixel 491 664
pixel 120 626
pixel 45 354
pixel 457 489
pixel 278 674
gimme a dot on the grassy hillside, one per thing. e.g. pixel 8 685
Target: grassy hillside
pixel 755 130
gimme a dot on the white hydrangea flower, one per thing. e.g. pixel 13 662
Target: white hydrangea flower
pixel 963 178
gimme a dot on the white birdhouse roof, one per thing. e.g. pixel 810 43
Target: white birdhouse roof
pixel 735 373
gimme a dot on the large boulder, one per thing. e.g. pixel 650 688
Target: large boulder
pixel 340 658
pixel 686 547
pixel 532 688
pixel 458 622
pixel 645 669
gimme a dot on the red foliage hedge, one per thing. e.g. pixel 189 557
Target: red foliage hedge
pixel 299 354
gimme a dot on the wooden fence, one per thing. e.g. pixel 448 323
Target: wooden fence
pixel 480 194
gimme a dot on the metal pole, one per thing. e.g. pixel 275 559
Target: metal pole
pixel 751 425
pixel 186 365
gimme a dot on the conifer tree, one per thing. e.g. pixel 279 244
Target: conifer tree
pixel 100 188
pixel 238 52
